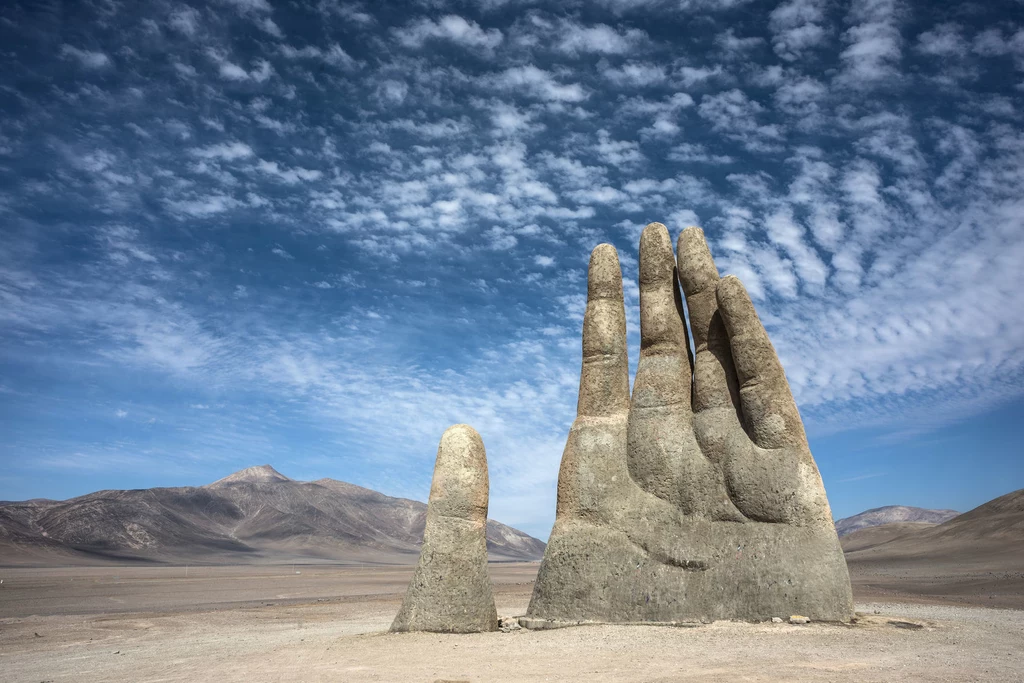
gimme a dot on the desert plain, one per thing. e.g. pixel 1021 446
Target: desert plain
pixel 329 622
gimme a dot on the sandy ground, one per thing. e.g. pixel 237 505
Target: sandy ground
pixel 952 580
pixel 258 624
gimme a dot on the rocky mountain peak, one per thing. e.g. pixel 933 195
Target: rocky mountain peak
pixel 260 474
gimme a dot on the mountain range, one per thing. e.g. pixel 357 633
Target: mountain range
pixel 992 530
pixel 256 515
pixel 892 514
pixel 974 558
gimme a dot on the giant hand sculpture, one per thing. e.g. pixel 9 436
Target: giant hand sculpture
pixel 697 498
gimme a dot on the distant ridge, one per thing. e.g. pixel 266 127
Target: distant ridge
pixel 974 558
pixel 890 514
pixel 254 515
pixel 870 536
pixel 991 534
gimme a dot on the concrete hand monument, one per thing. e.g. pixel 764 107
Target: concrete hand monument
pixel 696 497
pixel 450 591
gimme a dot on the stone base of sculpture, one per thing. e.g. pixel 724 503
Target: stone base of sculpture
pixel 749 571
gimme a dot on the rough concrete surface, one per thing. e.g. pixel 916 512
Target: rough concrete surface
pixel 695 498
pixel 450 591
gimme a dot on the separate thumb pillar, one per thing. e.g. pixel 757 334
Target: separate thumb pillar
pixel 450 591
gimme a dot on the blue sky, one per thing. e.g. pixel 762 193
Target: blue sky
pixel 316 234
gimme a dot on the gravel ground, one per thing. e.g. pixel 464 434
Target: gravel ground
pixel 344 638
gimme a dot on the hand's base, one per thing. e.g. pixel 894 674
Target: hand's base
pixel 537 624
pixel 717 570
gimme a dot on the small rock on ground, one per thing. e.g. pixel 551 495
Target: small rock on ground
pixel 508 624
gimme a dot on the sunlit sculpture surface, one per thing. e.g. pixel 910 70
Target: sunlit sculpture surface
pixel 695 498
pixel 450 591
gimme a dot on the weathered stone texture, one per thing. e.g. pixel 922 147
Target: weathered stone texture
pixel 450 591
pixel 696 498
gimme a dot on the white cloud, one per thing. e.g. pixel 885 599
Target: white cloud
pixel 184 20
pixel 650 185
pixel 510 120
pixel 86 58
pixel 262 71
pixel 201 206
pixel 784 232
pixel 683 218
pixel 598 195
pixel 623 6
pixel 801 98
pixel 992 42
pixel 690 76
pixel 257 11
pixel 392 91
pixel 268 25
pixel 228 70
pixel 451 28
pixel 500 239
pixel 712 5
pixel 233 72
pixel 186 70
pixel 697 153
pixel 735 115
pixel 812 188
pixel 636 74
pixel 737 46
pixel 123 245
pixel 540 84
pixel 945 40
pixel 441 128
pixel 617 152
pixel 224 151
pixel 798 26
pixel 874 43
pixel 577 39
pixel 333 55
pixel 289 176
pixel 249 5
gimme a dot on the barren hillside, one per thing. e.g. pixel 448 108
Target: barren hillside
pixel 891 514
pixel 255 515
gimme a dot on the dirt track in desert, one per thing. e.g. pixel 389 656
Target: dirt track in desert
pixel 329 623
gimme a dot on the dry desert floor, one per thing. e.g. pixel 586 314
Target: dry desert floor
pixel 329 623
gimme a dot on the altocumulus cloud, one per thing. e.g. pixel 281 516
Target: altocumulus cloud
pixel 320 233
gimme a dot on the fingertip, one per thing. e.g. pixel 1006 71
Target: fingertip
pixel 462 444
pixel 697 268
pixel 734 302
pixel 730 286
pixel 657 262
pixel 461 484
pixel 604 275
pixel 461 431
